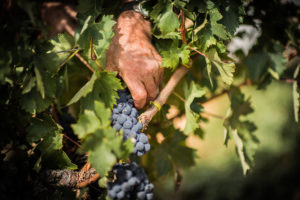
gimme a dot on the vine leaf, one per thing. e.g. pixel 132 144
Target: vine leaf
pixel 105 90
pixel 206 39
pixel 263 63
pixel 191 92
pixel 90 8
pixel 241 131
pixel 296 95
pixel 174 55
pixel 232 16
pixel 172 151
pixel 87 88
pixel 102 159
pixel 48 135
pixel 99 139
pixel 226 70
pixel 216 28
pixel 33 102
pixel 166 20
pixel 87 124
pixel 101 34
pixel 39 82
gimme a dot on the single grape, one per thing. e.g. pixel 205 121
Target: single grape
pixel 143 138
pixel 132 181
pixel 115 116
pixel 128 174
pixel 117 188
pixel 117 126
pixel 127 124
pixel 140 146
pixel 147 147
pixel 149 196
pixel 116 111
pixel 140 153
pixel 125 186
pixel 121 194
pixel 126 131
pixel 139 125
pixel 121 119
pixel 120 107
pixel 132 134
pixel 149 187
pixel 141 195
pixel 112 194
pixel 127 110
pixel 134 121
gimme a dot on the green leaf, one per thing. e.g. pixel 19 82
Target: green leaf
pixel 87 88
pixel 241 131
pixel 103 113
pixel 216 28
pixel 48 135
pixel 105 90
pixel 231 12
pixel 192 118
pixel 40 128
pixel 240 149
pixel 173 151
pixel 102 34
pixel 33 102
pixel 62 42
pixel 174 55
pixel 39 82
pixel 206 39
pixel 62 161
pixel 87 123
pixel 164 17
pixel 296 95
pixel 102 159
pixel 226 70
pixel 168 21
pixel 90 7
pixel 257 65
pixel 29 85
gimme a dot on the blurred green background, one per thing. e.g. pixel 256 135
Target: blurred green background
pixel 218 173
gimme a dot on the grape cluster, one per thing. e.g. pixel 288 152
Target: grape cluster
pixel 125 117
pixel 131 183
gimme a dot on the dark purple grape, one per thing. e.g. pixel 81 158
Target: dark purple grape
pixel 117 126
pixel 131 183
pixel 127 124
pixel 121 119
pixel 140 146
pixel 143 138
pixel 147 147
pixel 125 118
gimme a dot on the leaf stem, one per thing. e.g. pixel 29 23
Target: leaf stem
pixel 85 62
pixel 178 96
pixel 202 54
pixel 67 59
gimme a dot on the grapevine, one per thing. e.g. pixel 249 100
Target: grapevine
pixel 70 129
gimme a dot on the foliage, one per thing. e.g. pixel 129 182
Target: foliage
pixel 41 76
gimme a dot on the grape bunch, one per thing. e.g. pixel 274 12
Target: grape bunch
pixel 131 183
pixel 125 117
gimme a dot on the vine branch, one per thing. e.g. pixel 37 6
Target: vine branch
pixel 69 178
pixel 147 116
